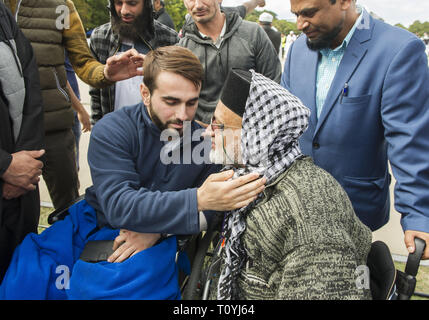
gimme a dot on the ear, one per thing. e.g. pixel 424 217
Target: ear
pixel 145 93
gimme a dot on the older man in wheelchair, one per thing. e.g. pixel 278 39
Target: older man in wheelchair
pixel 299 239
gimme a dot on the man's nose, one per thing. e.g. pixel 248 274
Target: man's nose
pixel 301 23
pixel 198 4
pixel 125 10
pixel 181 113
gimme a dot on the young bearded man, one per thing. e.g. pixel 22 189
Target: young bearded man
pixel 132 25
pixel 300 239
pixel 136 191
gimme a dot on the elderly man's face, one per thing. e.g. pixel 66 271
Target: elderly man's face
pixel 202 11
pixel 320 20
pixel 225 134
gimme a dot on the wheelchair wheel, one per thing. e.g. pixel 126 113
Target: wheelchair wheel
pixel 196 284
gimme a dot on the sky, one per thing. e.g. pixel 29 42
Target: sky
pixel 392 11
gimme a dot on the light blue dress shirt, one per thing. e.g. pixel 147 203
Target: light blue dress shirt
pixel 329 62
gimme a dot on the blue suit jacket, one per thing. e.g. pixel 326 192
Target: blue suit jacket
pixel 384 116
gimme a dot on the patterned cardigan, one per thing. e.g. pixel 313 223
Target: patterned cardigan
pixel 104 44
pixel 304 240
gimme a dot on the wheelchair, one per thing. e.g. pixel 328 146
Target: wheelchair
pixel 386 282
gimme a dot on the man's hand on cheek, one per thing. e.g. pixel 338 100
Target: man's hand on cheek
pixel 128 243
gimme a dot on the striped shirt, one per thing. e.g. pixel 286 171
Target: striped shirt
pixel 329 61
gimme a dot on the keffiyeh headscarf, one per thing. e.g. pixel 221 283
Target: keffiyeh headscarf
pixel 273 120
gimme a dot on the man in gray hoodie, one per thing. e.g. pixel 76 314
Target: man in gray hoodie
pixel 223 40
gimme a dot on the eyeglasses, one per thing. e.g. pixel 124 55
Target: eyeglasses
pixel 219 126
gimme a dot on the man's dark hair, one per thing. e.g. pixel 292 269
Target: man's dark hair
pixel 173 59
pixel 145 21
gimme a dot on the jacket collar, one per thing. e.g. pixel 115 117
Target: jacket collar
pixel 353 55
pixel 233 21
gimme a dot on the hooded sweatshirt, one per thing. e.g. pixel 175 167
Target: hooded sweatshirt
pixel 244 46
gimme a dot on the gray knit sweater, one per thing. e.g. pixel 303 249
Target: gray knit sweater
pixel 304 240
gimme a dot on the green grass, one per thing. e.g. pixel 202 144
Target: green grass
pixel 422 279
pixel 44 213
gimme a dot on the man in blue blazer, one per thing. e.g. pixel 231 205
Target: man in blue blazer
pixel 367 86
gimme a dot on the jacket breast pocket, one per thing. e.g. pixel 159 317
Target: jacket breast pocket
pixel 360 100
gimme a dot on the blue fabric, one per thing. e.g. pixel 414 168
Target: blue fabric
pixel 384 116
pixel 329 62
pixel 150 274
pixel 40 265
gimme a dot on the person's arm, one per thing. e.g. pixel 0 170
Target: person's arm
pixel 267 61
pixel 321 271
pixel 252 4
pixel 87 68
pixel 82 115
pixel 405 116
pixel 123 200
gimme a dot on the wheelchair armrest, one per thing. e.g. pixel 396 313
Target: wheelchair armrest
pixel 407 280
pixel 413 261
pixel 61 213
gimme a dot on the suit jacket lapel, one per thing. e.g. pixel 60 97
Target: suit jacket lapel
pixel 353 55
pixel 313 59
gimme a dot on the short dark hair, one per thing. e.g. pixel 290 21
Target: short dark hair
pixel 174 59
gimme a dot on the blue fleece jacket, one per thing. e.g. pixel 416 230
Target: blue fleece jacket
pixel 132 188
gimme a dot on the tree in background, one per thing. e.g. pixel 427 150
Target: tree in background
pixel 419 28
pixel 177 11
pixel 281 25
pixel 92 12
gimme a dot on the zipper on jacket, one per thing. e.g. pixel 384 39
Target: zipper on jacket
pixel 18 6
pixel 59 85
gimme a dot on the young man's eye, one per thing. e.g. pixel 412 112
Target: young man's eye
pixel 192 103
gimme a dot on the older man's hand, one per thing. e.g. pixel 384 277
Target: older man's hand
pixel 124 66
pixel 128 243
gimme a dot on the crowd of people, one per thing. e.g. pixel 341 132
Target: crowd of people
pixel 294 159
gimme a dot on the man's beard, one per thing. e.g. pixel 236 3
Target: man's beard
pixel 163 126
pixel 325 41
pixel 131 31
pixel 226 155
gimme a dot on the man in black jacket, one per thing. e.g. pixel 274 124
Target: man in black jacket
pixel 161 15
pixel 266 20
pixel 21 138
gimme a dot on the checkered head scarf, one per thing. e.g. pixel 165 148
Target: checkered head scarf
pixel 273 120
